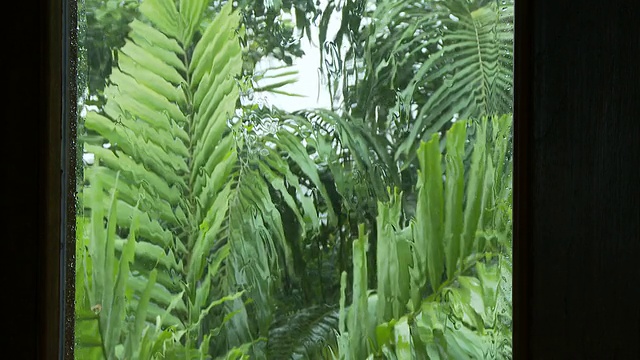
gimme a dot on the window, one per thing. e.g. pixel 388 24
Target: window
pixel 327 178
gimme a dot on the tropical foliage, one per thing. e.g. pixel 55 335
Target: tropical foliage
pixel 443 279
pixel 212 226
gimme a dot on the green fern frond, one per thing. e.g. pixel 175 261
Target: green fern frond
pixel 303 334
pixel 166 160
pixel 470 61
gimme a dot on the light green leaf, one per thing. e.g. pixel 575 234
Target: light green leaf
pixel 164 15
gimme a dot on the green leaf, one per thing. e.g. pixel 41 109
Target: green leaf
pixel 454 194
pixel 393 261
pixel 474 190
pixel 402 340
pixel 358 321
pixel 141 313
pixel 215 42
pixel 428 234
pixel 304 333
pixel 149 34
pixel 153 63
pixel 164 15
pixel 298 154
pixel 191 12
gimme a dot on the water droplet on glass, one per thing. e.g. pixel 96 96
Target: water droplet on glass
pixel 88 158
pixel 251 139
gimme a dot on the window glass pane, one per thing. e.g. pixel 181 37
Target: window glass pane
pixel 294 179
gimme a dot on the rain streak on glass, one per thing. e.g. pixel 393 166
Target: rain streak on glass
pixel 305 179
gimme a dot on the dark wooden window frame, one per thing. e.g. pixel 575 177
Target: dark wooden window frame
pixel 58 248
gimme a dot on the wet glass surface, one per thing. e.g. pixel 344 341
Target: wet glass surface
pixel 294 179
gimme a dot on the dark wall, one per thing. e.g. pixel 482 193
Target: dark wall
pixel 585 183
pixel 32 105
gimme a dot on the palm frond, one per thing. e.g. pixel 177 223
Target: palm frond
pixel 274 78
pixel 470 59
pixel 303 334
pixel 416 66
pixel 168 155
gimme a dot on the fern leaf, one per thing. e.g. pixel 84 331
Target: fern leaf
pixel 471 62
pixel 303 334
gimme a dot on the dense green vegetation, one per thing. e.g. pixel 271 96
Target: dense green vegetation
pixel 210 226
